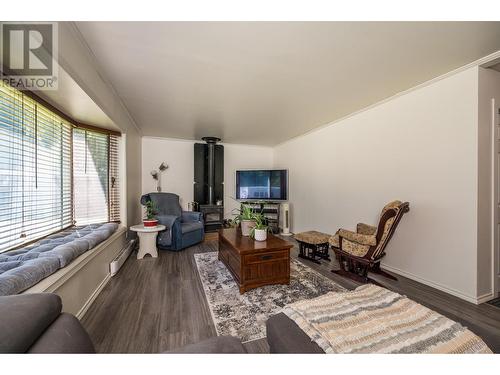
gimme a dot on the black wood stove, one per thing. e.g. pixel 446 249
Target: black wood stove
pixel 209 182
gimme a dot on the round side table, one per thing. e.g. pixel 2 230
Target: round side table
pixel 147 239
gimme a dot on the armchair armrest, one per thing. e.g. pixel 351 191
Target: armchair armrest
pixel 167 220
pixel 363 228
pixel 145 199
pixel 191 216
pixel 362 239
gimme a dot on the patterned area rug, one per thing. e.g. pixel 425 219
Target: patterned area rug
pixel 245 316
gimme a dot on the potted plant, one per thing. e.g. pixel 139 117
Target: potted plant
pixel 259 231
pixel 246 219
pixel 151 211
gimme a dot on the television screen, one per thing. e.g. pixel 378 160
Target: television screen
pixel 262 184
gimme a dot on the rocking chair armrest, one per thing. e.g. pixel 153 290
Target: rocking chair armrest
pixel 362 239
pixel 363 228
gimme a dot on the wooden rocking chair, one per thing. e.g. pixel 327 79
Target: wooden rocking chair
pixel 361 251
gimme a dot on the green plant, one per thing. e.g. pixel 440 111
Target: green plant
pixel 246 213
pixel 151 210
pixel 231 223
pixel 260 223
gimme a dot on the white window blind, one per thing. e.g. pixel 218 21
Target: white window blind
pixel 114 183
pixel 95 174
pixel 35 170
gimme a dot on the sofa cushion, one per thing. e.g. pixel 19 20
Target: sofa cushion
pixel 27 274
pixel 5 266
pixel 191 227
pixel 24 267
pixel 64 335
pixel 66 252
pixel 24 318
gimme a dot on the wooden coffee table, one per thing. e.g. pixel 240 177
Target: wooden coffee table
pixel 252 263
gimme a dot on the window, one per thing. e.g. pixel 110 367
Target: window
pixel 95 173
pixel 35 170
pixel 52 174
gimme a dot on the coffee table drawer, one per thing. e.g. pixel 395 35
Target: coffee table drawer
pixel 266 257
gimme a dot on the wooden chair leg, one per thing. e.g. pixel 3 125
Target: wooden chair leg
pixel 376 269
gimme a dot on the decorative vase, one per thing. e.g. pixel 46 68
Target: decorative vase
pixel 260 234
pixel 246 227
pixel 150 222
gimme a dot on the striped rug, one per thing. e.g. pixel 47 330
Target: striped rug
pixel 372 319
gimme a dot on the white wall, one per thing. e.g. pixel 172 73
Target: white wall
pixel 179 155
pixel 178 178
pixel 241 157
pixel 419 147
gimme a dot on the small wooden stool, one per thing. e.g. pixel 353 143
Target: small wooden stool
pixel 313 245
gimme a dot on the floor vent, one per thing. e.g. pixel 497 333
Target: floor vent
pixel 117 263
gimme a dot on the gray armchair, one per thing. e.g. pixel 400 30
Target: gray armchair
pixel 184 228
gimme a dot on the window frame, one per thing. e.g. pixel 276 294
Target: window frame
pixel 73 125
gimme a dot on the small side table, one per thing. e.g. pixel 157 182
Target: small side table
pixel 147 239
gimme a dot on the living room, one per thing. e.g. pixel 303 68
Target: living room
pixel 249 188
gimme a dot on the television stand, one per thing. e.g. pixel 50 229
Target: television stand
pixel 270 210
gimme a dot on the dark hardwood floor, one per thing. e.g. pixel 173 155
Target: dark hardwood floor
pixel 155 305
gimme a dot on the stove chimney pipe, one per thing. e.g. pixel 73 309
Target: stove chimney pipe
pixel 211 141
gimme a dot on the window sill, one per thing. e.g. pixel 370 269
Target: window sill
pixel 74 284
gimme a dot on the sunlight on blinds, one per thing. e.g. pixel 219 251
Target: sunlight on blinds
pixel 35 170
pixel 90 176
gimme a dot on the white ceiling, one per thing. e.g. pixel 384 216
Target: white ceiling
pixel 266 82
pixel 73 101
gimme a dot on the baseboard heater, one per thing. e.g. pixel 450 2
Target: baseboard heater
pixel 117 263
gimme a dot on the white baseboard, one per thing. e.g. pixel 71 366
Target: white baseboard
pixel 92 298
pixel 453 292
pixel 485 298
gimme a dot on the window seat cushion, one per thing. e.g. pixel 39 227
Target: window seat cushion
pixel 22 268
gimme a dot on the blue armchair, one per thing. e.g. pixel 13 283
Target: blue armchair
pixel 184 228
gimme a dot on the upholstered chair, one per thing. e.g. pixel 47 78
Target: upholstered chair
pixel 184 228
pixel 361 251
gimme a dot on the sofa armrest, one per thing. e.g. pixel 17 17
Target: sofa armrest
pixel 362 239
pixel 145 199
pixel 24 317
pixel 65 335
pixel 191 216
pixel 363 228
pixel 168 220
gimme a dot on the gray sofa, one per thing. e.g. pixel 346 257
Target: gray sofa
pixel 33 323
pixel 184 228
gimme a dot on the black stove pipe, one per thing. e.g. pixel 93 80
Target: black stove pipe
pixel 211 141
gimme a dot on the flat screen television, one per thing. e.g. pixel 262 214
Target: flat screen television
pixel 267 184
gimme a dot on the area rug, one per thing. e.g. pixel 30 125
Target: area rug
pixel 245 315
